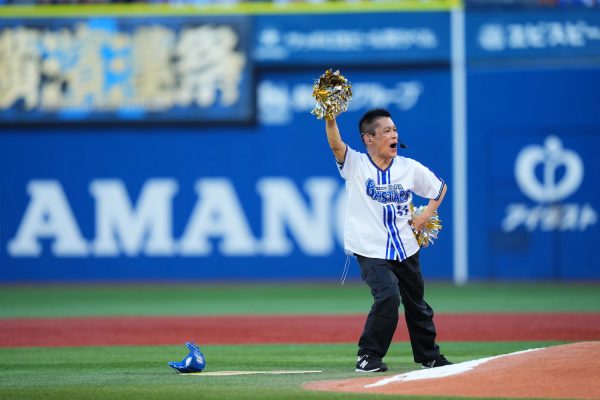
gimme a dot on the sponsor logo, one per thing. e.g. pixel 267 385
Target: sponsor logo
pixel 276 44
pixel 278 101
pixel 562 172
pixel 494 37
pixel 310 220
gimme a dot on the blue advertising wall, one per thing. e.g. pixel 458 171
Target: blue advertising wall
pixel 534 131
pixel 536 188
pixel 263 202
pixel 263 199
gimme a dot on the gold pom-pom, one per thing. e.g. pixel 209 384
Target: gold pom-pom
pixel 432 228
pixel 333 92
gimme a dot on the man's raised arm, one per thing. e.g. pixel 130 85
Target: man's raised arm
pixel 335 140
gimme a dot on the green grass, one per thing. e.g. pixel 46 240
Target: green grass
pixel 124 372
pixel 142 373
pixel 352 298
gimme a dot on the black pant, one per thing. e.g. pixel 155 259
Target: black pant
pixel 390 282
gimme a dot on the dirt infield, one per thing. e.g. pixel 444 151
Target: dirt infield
pixel 99 331
pixel 560 372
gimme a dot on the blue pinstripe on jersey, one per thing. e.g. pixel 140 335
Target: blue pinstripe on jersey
pixel 394 246
pixel 390 250
pixel 389 212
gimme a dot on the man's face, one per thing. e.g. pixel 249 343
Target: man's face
pixel 384 142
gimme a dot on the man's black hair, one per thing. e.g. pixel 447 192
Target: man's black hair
pixel 365 125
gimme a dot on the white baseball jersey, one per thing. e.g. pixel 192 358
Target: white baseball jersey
pixel 378 204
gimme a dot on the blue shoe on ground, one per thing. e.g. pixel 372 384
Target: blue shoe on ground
pixel 194 362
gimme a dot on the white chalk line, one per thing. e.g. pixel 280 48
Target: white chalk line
pixel 441 372
pixel 235 373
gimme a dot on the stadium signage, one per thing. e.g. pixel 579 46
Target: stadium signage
pixel 371 39
pixel 146 227
pixel 538 35
pixel 550 213
pixel 132 69
pixel 279 100
pixel 534 34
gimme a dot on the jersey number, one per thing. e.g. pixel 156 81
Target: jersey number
pixel 402 209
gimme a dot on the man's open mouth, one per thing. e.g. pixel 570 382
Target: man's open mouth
pixel 393 145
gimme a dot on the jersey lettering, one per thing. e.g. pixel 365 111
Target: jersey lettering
pixel 385 194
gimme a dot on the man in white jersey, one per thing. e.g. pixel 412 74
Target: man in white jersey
pixel 380 186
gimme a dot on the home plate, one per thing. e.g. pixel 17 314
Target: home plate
pixel 234 373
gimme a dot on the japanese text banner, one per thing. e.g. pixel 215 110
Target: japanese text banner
pixel 362 39
pixel 132 69
pixel 533 35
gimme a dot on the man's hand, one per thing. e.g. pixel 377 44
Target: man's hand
pixel 419 221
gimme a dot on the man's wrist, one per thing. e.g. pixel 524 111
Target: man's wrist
pixel 428 213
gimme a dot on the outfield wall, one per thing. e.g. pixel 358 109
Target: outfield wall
pixel 251 191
